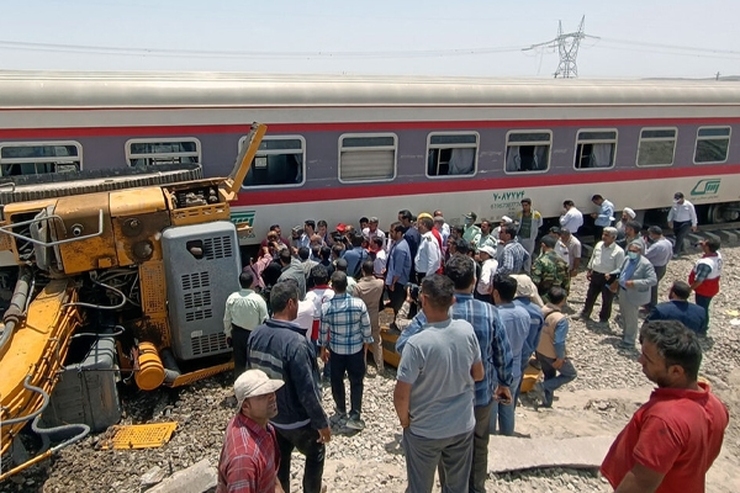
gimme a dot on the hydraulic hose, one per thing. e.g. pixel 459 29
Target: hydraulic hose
pixel 15 313
pixel 80 430
pixel 44 403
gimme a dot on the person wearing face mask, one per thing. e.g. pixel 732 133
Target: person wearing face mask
pixel 636 277
pixel 681 218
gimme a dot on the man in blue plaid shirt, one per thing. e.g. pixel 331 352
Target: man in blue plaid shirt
pixel 496 354
pixel 514 257
pixel 345 336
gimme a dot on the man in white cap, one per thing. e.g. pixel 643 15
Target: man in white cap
pixel 489 264
pixel 250 457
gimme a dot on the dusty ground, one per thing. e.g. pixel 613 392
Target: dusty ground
pixel 609 388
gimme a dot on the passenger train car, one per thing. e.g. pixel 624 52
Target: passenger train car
pixel 340 147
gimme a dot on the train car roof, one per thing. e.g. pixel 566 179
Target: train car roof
pixel 34 89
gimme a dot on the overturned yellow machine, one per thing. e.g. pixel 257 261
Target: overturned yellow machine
pixel 110 275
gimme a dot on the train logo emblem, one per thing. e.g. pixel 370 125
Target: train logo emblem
pixel 244 217
pixel 706 187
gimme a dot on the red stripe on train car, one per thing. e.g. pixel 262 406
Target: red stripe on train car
pixel 189 130
pixel 391 189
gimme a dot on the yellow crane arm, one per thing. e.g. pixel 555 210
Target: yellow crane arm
pixel 35 355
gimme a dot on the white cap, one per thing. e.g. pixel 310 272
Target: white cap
pixel 507 220
pixel 489 250
pixel 629 212
pixel 253 383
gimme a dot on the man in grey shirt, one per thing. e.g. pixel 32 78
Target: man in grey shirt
pixel 435 392
pixel 659 253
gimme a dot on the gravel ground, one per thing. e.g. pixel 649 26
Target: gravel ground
pixel 598 402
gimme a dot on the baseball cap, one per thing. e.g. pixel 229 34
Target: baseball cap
pixel 471 215
pixel 297 229
pixel 488 249
pixel 253 383
pixel 341 227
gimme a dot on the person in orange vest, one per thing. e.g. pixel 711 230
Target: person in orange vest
pixel 705 276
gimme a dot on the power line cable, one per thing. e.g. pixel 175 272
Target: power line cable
pixel 669 47
pixel 179 53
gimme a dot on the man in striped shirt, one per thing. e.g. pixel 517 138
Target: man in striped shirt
pixel 250 457
pixel 345 336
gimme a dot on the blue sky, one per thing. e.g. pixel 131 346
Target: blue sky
pixel 316 36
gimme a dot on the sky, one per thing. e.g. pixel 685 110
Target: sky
pixel 632 38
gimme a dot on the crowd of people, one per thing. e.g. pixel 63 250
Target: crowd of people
pixel 473 307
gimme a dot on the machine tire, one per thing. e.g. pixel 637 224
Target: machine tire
pixel 52 185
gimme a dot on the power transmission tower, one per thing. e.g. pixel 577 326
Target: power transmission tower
pixel 567 45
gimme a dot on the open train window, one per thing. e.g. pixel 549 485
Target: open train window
pixel 151 152
pixel 657 146
pixel 528 151
pixel 34 158
pixel 712 145
pixel 452 154
pixel 595 149
pixel 367 157
pixel 280 161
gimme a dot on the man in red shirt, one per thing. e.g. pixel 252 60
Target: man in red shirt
pixel 250 457
pixel 673 439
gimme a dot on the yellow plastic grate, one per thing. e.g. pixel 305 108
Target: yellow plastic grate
pixel 140 436
pixel 192 377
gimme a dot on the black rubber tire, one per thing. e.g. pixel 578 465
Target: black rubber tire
pixel 51 185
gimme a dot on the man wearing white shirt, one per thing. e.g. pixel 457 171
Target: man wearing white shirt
pixel 428 257
pixel 681 218
pixel 372 231
pixel 381 257
pixel 603 270
pixel 572 218
pixel 489 265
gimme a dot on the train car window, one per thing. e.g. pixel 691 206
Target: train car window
pixel 279 162
pixel 595 149
pixel 34 158
pixel 657 146
pixel 151 152
pixel 452 154
pixel 367 157
pixel 528 151
pixel 712 145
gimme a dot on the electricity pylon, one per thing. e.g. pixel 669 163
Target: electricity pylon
pixel 567 45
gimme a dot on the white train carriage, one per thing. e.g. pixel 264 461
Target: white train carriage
pixel 342 147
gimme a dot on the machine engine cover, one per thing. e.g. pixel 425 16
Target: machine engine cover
pixel 202 267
